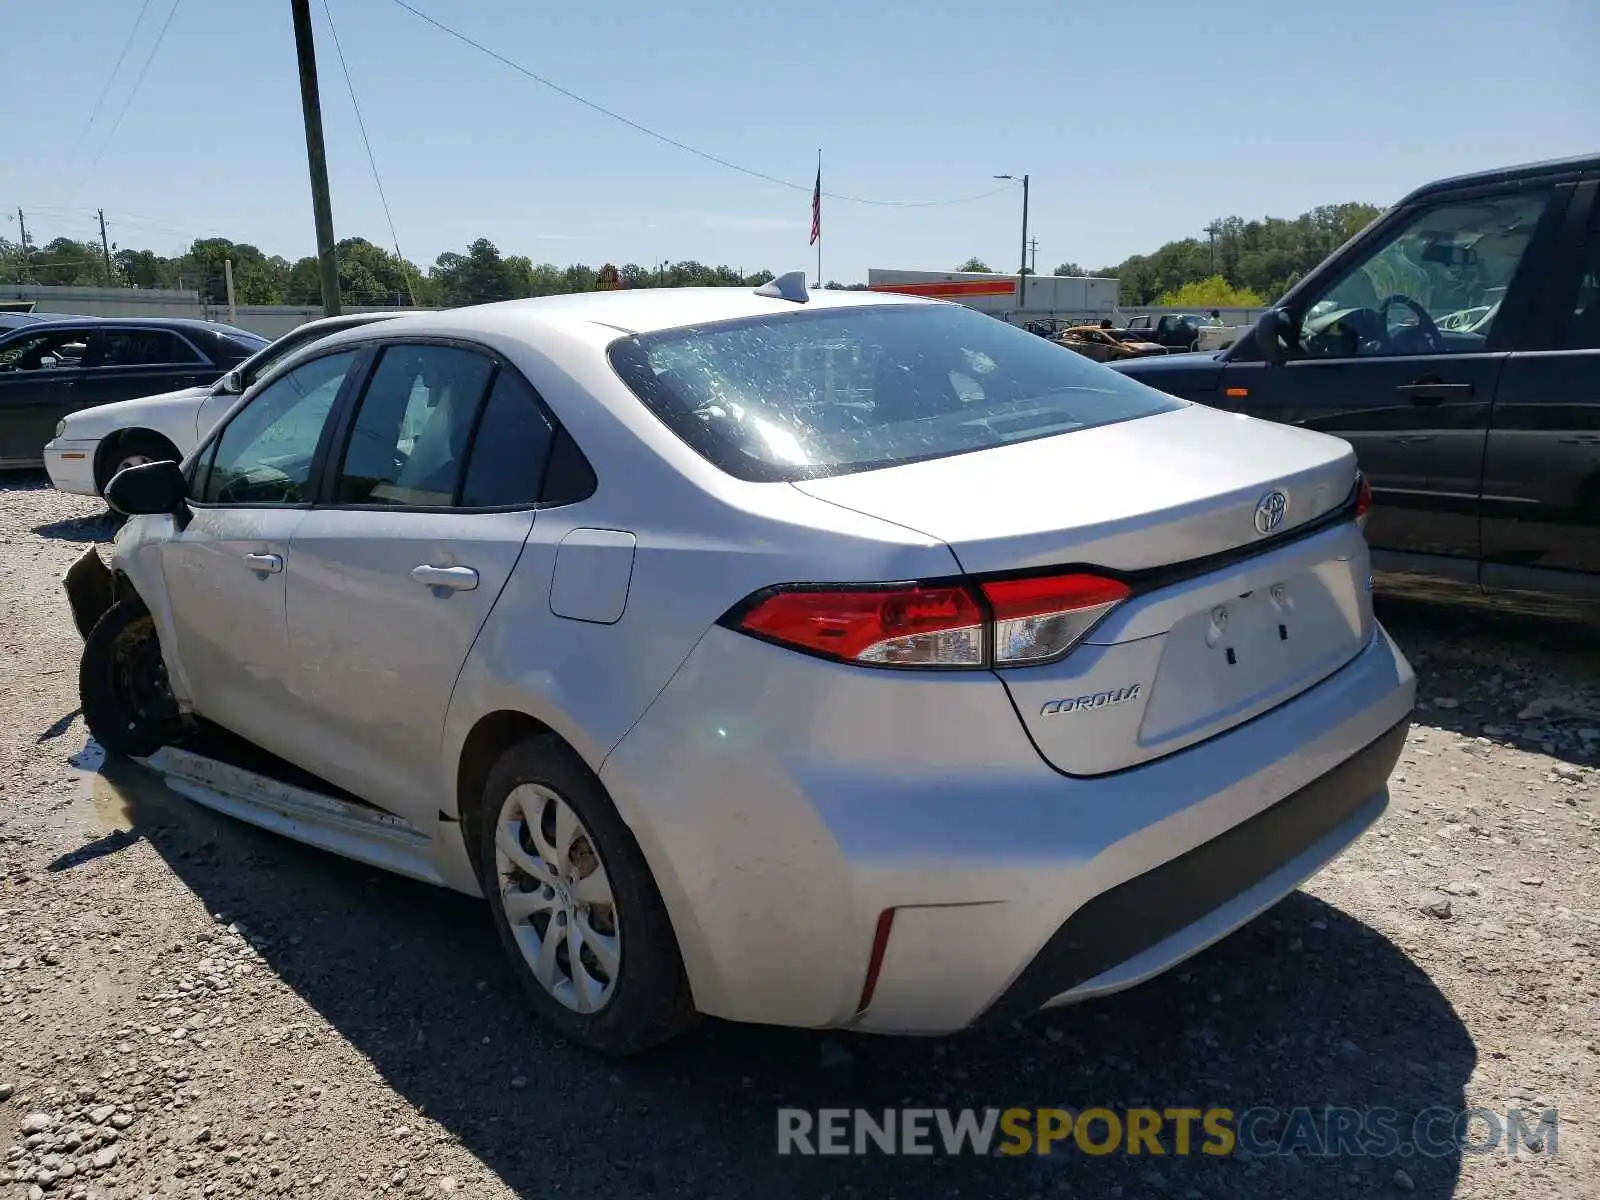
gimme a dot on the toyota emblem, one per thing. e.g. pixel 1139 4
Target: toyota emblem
pixel 1270 510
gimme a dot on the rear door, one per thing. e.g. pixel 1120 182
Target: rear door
pixel 1400 354
pixel 391 578
pixel 1541 490
pixel 124 364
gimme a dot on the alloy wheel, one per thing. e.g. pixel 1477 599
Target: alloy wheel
pixel 557 898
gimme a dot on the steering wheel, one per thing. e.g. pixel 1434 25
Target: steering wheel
pixel 1426 325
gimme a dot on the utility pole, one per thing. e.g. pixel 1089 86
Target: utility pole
pixel 1211 238
pixel 321 205
pixel 1022 267
pixel 105 247
pixel 22 225
pixel 1033 256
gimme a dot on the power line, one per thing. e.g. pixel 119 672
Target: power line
pixel 127 103
pixel 674 142
pixel 94 112
pixel 365 141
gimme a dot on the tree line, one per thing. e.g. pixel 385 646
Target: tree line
pixel 1239 262
pixel 1243 263
pixel 368 274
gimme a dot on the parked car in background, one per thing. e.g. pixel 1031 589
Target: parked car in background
pixel 750 650
pixel 93 444
pixel 1105 345
pixel 1456 345
pixel 1175 331
pixel 53 368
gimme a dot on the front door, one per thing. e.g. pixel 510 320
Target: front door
pixel 1398 355
pixel 225 570
pixel 390 583
pixel 37 374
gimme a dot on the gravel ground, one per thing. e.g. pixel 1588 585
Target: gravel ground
pixel 190 1007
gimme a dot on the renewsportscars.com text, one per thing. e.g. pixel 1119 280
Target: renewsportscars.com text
pixel 1215 1132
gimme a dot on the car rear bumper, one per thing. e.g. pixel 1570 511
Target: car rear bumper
pixel 70 463
pixel 795 811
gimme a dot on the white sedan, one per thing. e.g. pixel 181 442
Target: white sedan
pixel 828 660
pixel 93 444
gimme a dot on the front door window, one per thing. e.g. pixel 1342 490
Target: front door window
pixel 1434 286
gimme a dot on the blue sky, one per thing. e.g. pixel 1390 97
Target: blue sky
pixel 1138 122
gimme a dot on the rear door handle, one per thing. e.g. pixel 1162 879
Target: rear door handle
pixel 455 579
pixel 1434 391
pixel 269 564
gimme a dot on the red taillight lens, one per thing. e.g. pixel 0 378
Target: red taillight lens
pixel 1040 619
pixel 904 627
pixel 1034 620
pixel 1363 495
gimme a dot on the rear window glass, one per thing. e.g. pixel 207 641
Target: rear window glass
pixel 809 394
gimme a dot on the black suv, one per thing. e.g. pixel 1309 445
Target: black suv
pixel 1455 343
pixel 51 368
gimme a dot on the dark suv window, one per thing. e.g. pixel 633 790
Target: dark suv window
pixel 142 348
pixel 1583 330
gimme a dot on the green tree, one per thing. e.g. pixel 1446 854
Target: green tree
pixel 1072 270
pixel 1213 292
pixel 975 264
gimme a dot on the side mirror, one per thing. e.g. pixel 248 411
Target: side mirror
pixel 231 384
pixel 156 487
pixel 1274 330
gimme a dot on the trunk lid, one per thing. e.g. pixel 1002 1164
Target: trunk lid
pixel 1183 660
pixel 1140 494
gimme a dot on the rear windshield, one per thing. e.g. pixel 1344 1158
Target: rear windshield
pixel 807 394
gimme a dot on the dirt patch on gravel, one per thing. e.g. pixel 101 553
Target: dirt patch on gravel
pixel 190 1007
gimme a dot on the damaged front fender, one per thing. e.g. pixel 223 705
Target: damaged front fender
pixel 91 589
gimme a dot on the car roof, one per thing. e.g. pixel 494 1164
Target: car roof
pixel 1555 166
pixel 193 324
pixel 647 310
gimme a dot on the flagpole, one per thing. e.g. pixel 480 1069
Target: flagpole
pixel 819 226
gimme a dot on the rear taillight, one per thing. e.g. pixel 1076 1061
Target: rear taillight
pixel 1007 622
pixel 1039 619
pixel 892 627
pixel 1363 498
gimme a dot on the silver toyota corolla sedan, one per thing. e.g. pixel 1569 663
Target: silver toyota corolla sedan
pixel 832 660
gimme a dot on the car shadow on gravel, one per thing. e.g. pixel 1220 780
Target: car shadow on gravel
pixel 1304 1007
pixel 79 529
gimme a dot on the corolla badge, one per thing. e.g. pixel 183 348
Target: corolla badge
pixel 1270 510
pixel 1074 704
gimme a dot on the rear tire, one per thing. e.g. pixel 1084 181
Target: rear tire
pixel 122 684
pixel 575 904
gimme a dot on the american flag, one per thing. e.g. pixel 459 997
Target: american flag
pixel 816 209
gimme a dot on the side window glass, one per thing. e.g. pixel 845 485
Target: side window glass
pixel 264 455
pixel 1583 330
pixel 511 448
pixel 1433 287
pixel 409 441
pixel 42 351
pixel 144 348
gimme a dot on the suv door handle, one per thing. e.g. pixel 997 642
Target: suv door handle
pixel 270 564
pixel 454 579
pixel 1432 391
